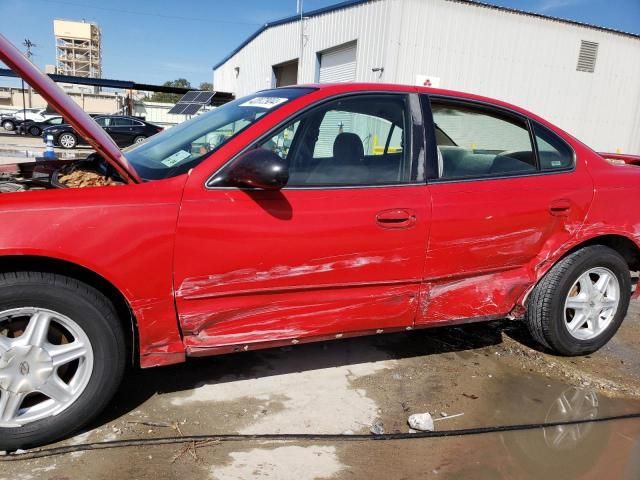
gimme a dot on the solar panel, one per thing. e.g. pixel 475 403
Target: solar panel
pixel 191 108
pixel 191 102
pixel 190 96
pixel 204 98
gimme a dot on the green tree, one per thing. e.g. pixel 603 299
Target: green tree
pixel 206 86
pixel 170 97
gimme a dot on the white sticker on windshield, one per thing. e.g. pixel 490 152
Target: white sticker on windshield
pixel 264 102
pixel 176 158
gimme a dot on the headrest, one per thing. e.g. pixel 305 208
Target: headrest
pixel 348 149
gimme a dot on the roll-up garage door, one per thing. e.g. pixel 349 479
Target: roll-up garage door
pixel 338 64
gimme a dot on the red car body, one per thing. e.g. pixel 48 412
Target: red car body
pixel 207 271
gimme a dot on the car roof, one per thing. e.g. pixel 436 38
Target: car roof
pixel 337 88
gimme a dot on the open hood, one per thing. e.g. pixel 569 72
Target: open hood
pixel 71 111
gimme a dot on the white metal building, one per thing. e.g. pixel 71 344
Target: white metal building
pixel 583 78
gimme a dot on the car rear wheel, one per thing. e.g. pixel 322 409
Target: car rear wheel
pixel 62 356
pixel 35 131
pixel 8 125
pixel 67 140
pixel 139 139
pixel 580 303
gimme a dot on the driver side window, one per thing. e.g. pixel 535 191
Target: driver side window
pixel 356 141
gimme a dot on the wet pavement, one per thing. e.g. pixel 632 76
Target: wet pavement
pixel 21 148
pixel 487 372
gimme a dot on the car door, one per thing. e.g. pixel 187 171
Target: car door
pixel 122 130
pixel 339 250
pixel 507 192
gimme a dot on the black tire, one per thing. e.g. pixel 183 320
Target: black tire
pixel 8 125
pixel 35 131
pixel 545 315
pixel 73 140
pixel 96 316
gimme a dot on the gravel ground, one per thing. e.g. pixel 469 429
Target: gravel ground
pixel 487 372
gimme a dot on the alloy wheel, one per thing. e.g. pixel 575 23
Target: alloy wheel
pixel 592 303
pixel 67 141
pixel 46 362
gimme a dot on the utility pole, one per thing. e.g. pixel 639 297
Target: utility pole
pixel 29 45
pixel 300 7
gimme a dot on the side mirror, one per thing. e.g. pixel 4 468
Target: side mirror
pixel 259 168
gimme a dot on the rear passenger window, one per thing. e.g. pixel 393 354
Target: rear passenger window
pixel 476 142
pixel 553 152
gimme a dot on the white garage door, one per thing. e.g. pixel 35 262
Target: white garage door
pixel 339 64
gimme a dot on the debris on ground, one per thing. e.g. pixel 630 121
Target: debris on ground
pixel 422 422
pixel 448 417
pixel 377 428
pixel 85 178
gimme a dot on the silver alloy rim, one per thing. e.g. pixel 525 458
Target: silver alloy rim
pixel 67 141
pixel 592 303
pixel 140 139
pixel 31 385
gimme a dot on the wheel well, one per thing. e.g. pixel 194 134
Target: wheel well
pixel 52 265
pixel 625 247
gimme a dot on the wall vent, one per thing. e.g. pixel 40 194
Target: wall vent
pixel 587 56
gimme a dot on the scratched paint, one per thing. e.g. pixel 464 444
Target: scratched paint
pixel 198 287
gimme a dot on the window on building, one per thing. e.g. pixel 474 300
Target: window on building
pixel 477 142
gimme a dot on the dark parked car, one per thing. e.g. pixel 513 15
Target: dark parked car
pixel 35 129
pixel 125 131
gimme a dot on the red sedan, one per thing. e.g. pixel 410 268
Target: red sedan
pixel 295 215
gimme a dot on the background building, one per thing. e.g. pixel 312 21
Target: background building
pixel 584 78
pixel 78 48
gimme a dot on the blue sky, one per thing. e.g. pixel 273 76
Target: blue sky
pixel 156 40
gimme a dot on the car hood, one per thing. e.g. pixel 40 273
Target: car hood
pixel 65 106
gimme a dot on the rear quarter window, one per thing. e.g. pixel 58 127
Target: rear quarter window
pixel 553 152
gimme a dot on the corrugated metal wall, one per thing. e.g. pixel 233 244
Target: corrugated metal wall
pixel 525 60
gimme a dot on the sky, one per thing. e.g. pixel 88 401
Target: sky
pixel 151 41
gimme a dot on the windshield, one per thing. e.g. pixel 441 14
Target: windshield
pixel 178 149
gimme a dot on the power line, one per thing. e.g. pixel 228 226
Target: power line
pixel 150 14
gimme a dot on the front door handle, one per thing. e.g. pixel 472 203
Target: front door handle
pixel 560 207
pixel 396 218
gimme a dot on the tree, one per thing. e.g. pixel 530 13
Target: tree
pixel 206 86
pixel 170 97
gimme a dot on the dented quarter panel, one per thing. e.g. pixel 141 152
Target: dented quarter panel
pixel 124 234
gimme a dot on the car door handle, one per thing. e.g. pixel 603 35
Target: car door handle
pixel 396 218
pixel 560 207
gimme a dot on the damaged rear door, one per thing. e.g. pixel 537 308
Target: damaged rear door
pixel 340 249
pixel 507 193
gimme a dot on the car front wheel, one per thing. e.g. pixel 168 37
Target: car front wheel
pixel 580 303
pixel 67 140
pixel 8 125
pixel 62 356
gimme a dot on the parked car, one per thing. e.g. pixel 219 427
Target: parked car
pixel 124 130
pixel 9 122
pixel 35 129
pixel 277 219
